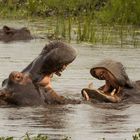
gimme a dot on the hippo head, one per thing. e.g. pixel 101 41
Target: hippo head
pixel 115 78
pixel 23 88
pixel 8 34
pixel 54 58
pixel 18 89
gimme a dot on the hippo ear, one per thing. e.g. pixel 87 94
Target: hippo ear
pixel 7 30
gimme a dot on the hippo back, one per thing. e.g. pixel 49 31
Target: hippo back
pixel 8 34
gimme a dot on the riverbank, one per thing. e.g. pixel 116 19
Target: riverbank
pixel 106 22
pixel 102 11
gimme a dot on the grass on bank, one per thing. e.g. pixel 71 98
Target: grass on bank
pixel 102 11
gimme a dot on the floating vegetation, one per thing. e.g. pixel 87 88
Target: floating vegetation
pixel 28 136
pixel 137 135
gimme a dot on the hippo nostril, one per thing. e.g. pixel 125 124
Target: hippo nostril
pixel 18 77
pixel 2 93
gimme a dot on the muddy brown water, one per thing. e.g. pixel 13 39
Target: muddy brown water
pixel 85 121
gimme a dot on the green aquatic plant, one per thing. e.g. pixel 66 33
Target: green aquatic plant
pixel 6 138
pixel 84 29
pixel 137 135
pixel 38 137
pixel 28 136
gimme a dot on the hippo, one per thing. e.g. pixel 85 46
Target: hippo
pixel 32 85
pixel 117 88
pixel 8 34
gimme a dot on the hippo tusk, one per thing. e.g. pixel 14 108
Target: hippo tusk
pixel 119 89
pixel 86 95
pixel 113 92
pixel 90 86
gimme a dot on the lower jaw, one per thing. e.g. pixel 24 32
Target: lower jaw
pixel 100 95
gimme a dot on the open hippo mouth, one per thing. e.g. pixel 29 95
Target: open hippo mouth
pixel 53 59
pixel 115 78
pixel 24 87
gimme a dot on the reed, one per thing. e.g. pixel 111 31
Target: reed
pixel 87 30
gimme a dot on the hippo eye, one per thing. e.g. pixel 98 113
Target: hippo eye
pixel 102 74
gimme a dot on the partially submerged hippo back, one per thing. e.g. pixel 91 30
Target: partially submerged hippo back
pixel 8 34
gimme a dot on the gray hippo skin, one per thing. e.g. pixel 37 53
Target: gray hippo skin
pixel 8 34
pixel 23 88
pixel 51 60
pixel 117 88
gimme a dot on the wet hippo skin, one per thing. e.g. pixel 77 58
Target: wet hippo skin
pixel 52 59
pixel 30 87
pixel 8 34
pixel 117 88
pixel 19 90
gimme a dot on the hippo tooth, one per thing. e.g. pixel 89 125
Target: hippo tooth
pixel 85 95
pixel 119 90
pixel 90 86
pixel 113 92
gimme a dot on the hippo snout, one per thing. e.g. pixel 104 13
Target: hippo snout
pixel 5 93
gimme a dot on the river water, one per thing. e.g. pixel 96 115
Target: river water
pixel 86 121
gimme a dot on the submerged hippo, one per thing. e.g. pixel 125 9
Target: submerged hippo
pixel 118 86
pixel 8 34
pixel 32 85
